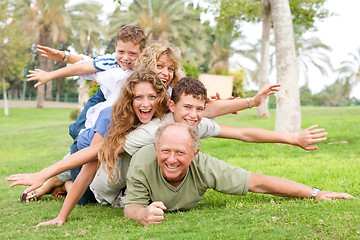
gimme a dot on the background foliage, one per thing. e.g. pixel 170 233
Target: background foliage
pixel 206 45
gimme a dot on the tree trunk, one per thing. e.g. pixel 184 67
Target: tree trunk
pixel 48 88
pixel 6 106
pixel 288 114
pixel 40 92
pixel 58 91
pixel 264 71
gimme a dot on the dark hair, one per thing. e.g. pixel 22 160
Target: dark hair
pixel 133 34
pixel 189 86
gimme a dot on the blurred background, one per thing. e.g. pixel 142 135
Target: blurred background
pixel 215 37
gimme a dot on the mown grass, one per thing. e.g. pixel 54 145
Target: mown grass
pixel 33 139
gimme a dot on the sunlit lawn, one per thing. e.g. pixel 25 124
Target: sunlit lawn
pixel 33 139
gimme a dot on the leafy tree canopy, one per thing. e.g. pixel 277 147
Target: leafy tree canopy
pixel 230 14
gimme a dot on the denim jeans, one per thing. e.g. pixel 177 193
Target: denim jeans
pixel 79 124
pixel 88 196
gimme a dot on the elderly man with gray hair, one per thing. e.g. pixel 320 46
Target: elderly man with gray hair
pixel 173 175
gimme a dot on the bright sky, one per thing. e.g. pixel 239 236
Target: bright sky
pixel 339 32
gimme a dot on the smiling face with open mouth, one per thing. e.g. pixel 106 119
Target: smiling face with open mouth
pixel 126 53
pixel 144 101
pixel 174 154
pixel 188 110
pixel 165 68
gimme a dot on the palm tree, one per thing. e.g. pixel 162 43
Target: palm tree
pixel 312 52
pixel 288 115
pixel 46 23
pixel 264 71
pixel 86 30
pixel 220 53
pixel 167 21
pixel 349 69
pixel 50 22
pixel 84 35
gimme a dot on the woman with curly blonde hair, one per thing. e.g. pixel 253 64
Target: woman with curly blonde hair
pixel 165 60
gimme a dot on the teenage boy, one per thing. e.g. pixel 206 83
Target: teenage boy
pixel 172 175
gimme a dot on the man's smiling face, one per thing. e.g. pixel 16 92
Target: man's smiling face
pixel 174 153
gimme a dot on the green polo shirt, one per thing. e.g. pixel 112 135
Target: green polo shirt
pixel 145 183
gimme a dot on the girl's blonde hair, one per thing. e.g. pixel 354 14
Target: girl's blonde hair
pixel 124 119
pixel 149 57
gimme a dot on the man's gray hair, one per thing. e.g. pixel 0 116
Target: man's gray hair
pixel 191 130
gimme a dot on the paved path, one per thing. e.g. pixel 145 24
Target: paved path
pixel 47 104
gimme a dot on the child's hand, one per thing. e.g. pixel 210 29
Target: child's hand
pixel 38 75
pixel 51 53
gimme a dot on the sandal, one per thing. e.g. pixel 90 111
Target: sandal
pixel 29 197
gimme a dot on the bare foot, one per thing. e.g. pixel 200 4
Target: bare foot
pixel 59 192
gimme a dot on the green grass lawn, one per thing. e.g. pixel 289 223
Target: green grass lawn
pixel 33 139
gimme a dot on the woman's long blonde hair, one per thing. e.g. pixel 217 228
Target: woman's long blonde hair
pixel 151 54
pixel 124 119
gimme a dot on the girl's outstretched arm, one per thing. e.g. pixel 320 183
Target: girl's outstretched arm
pixel 36 180
pixel 78 188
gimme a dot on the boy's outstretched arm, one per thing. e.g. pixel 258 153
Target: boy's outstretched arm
pixel 218 108
pixel 57 55
pixel 73 70
pixel 304 139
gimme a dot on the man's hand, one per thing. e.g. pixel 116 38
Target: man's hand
pixel 310 136
pixel 34 180
pixel 55 221
pixel 263 94
pixel 38 75
pixel 325 195
pixel 50 53
pixel 153 214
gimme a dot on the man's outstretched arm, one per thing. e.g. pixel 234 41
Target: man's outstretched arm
pixel 287 188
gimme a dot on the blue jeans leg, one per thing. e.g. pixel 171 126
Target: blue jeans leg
pixel 79 124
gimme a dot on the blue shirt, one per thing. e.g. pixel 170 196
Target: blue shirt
pixel 101 126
